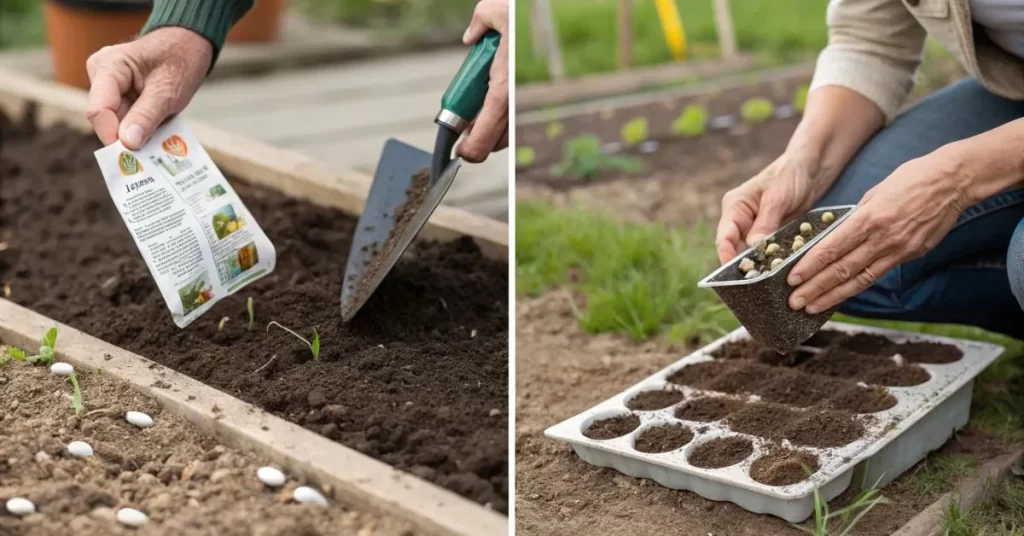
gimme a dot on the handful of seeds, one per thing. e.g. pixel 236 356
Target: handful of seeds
pixel 772 251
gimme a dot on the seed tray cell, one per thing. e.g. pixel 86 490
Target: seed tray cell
pixel 895 439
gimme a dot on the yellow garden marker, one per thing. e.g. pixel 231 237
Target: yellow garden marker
pixel 672 26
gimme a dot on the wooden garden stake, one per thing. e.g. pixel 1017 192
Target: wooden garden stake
pixel 726 35
pixel 550 31
pixel 625 34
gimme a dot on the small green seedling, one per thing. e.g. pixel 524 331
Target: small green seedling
pixel 313 346
pixel 757 110
pixel 250 306
pixel 76 397
pixel 525 156
pixel 47 350
pixel 13 353
pixel 220 325
pixel 692 122
pixel 584 159
pixel 635 131
pixel 800 98
pixel 554 130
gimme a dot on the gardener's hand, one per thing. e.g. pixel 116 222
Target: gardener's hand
pixel 489 132
pixel 900 219
pixel 136 86
pixel 758 207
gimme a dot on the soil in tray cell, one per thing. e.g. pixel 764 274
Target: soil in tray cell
pixel 655 399
pixel 755 351
pixel 745 377
pixel 823 429
pixel 895 375
pixel 721 452
pixel 868 343
pixel 664 438
pixel 708 408
pixel 859 399
pixel 699 373
pixel 782 467
pixel 928 352
pixel 418 380
pixel 843 363
pixel 763 419
pixel 612 427
pixel 801 390
pixel 826 337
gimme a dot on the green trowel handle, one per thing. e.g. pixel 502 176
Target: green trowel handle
pixel 465 95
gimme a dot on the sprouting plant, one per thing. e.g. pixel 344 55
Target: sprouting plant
pixel 250 306
pixel 220 325
pixel 584 159
pixel 635 131
pixel 757 110
pixel 76 396
pixel 47 350
pixel 15 353
pixel 313 346
pixel 691 122
pixel 848 517
pixel 525 156
pixel 800 98
pixel 554 130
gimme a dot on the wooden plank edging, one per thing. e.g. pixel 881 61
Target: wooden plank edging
pixel 355 478
pixel 292 173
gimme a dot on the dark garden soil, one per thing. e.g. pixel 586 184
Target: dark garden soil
pixel 655 400
pixel 782 467
pixel 612 427
pixel 763 420
pixel 857 399
pixel 824 429
pixel 418 380
pixel 721 452
pixel 187 483
pixel 664 438
pixel 708 408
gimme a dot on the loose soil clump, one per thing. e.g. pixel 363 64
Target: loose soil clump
pixel 857 399
pixel 782 467
pixel 721 452
pixel 763 420
pixel 612 427
pixel 655 399
pixel 823 429
pixel 186 482
pixel 708 409
pixel 664 438
pixel 418 380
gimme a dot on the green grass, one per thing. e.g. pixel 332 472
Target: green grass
pixel 939 474
pixel 1000 514
pixel 21 24
pixel 637 279
pixel 402 18
pixel 777 32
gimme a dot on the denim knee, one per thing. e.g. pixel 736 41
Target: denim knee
pixel 1015 263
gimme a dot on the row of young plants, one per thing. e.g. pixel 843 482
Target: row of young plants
pixel 584 156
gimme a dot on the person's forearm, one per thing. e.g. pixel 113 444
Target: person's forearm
pixel 837 121
pixel 210 19
pixel 987 164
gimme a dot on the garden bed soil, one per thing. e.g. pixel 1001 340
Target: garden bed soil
pixel 562 371
pixel 782 467
pixel 187 483
pixel 418 380
pixel 655 399
pixel 664 438
pixel 721 452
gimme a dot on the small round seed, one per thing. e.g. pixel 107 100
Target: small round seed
pixel 772 249
pixel 776 263
pixel 752 274
pixel 746 265
pixel 828 217
pixel 805 228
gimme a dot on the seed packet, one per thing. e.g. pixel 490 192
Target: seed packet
pixel 196 236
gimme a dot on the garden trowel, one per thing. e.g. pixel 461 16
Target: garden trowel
pixel 409 182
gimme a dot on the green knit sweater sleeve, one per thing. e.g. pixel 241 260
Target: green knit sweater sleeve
pixel 211 19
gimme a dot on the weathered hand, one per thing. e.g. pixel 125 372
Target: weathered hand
pixel 136 86
pixel 489 132
pixel 758 207
pixel 900 219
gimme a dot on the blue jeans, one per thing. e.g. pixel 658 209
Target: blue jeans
pixel 975 276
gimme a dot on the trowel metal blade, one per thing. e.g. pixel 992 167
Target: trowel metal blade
pixel 398 164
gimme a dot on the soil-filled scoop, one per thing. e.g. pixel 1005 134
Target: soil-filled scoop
pixel 409 183
pixel 761 303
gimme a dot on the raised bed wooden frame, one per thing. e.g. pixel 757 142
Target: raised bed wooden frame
pixel 355 478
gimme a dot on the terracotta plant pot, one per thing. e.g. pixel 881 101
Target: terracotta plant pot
pixel 77 28
pixel 262 24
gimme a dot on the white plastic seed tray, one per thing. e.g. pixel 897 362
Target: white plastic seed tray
pixel 925 416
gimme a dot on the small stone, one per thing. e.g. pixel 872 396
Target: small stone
pixel 20 506
pixel 62 369
pixel 103 513
pixel 308 495
pixel 772 249
pixel 494 413
pixel 131 517
pixel 752 274
pixel 164 501
pixel 316 399
pixel 270 476
pixel 146 479
pixel 898 359
pixel 747 265
pixel 776 263
pixel 805 228
pixel 335 412
pixel 648 146
pixel 329 429
pixel 42 457
pixel 139 419
pixel 424 472
pixel 79 448
pixel 828 217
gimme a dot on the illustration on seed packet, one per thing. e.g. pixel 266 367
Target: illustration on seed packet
pixel 217 191
pixel 242 260
pixel 176 151
pixel 226 222
pixel 195 294
pixel 128 164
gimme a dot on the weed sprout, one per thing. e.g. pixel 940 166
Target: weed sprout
pixel 313 346
pixel 250 306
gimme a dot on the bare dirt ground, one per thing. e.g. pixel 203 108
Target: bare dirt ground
pixel 562 371
pixel 187 483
